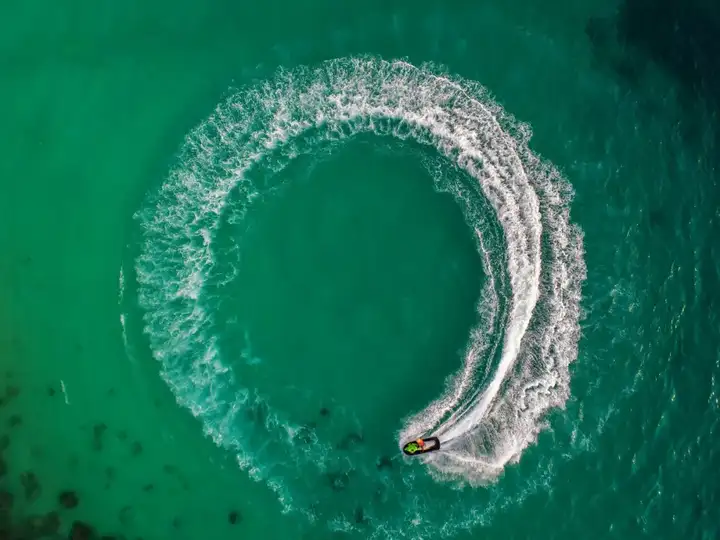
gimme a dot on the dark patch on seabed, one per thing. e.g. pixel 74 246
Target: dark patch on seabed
pixel 682 37
pixel 26 514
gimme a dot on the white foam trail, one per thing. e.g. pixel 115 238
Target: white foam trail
pixel 121 285
pixel 64 391
pixel 488 414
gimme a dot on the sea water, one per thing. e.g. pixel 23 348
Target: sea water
pixel 250 250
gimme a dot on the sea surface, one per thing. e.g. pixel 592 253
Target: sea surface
pixel 250 249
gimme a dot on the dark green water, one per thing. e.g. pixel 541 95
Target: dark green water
pixel 228 294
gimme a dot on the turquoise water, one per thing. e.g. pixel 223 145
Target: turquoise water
pixel 251 250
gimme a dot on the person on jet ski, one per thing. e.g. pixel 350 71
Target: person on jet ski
pixel 415 446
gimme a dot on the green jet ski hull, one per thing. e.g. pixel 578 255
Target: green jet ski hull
pixel 431 444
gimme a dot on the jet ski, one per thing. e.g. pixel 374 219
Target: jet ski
pixel 421 446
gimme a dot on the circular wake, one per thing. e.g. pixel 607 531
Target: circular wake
pixel 516 362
